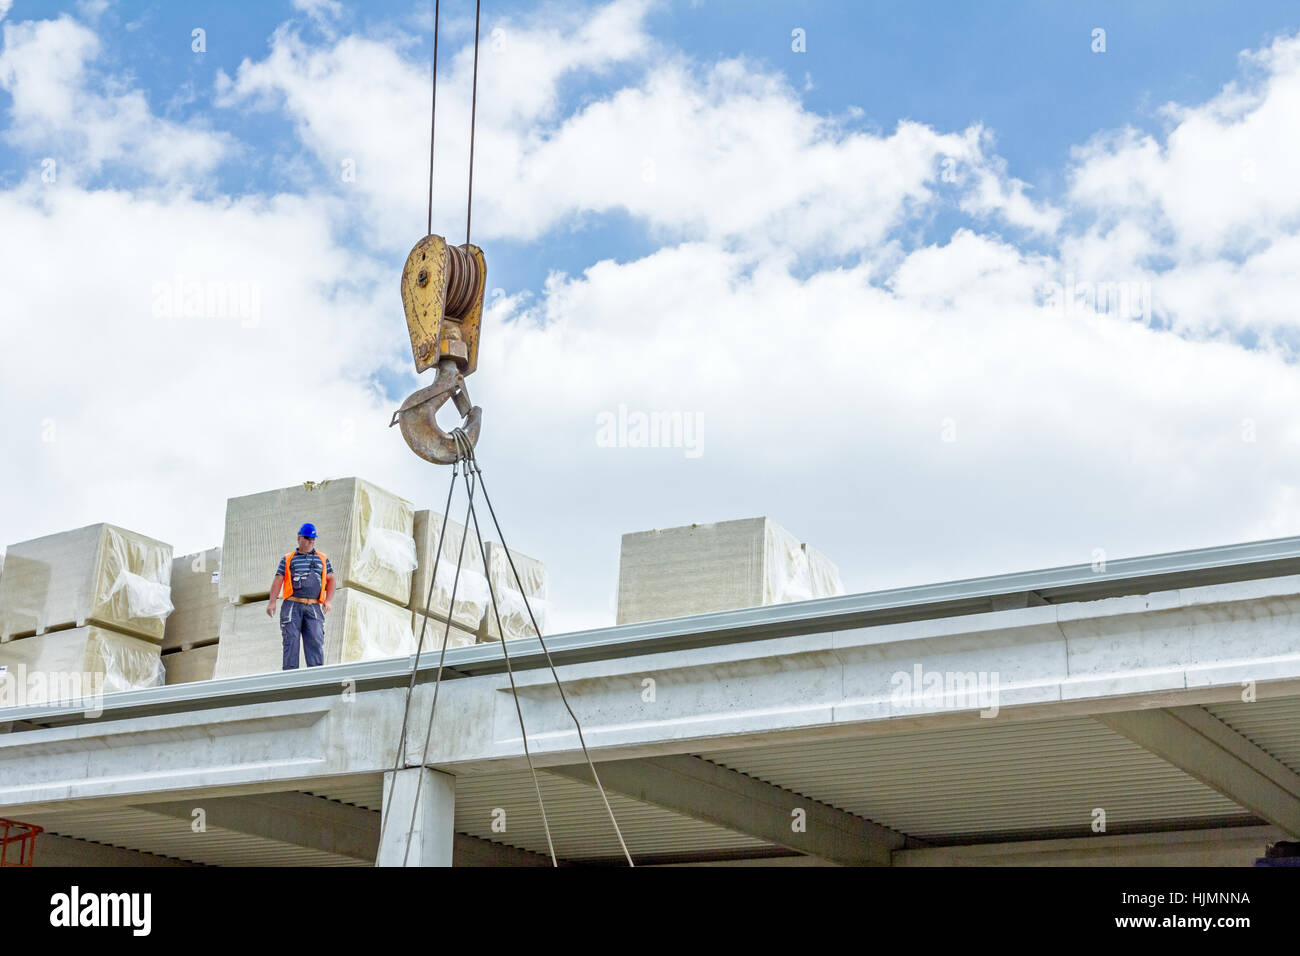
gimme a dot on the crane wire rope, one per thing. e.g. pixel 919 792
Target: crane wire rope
pixel 473 477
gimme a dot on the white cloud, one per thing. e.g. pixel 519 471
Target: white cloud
pixel 724 151
pixel 1223 180
pixel 44 67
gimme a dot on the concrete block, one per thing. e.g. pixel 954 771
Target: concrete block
pixel 185 667
pixel 510 600
pixel 471 587
pixel 196 594
pixel 459 637
pixel 360 627
pixel 100 574
pixel 84 657
pixel 364 530
pixel 699 568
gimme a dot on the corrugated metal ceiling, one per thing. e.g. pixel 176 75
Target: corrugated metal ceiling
pixel 991 783
pixel 1272 725
pixel 137 829
pixel 579 824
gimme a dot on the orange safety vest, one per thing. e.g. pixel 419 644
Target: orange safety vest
pixel 287 591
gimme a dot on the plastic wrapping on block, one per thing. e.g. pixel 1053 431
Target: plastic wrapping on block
pixel 472 594
pixel 381 539
pixel 100 574
pixel 532 573
pixel 389 549
pixel 514 615
pixel 373 629
pixel 825 575
pixel 788 576
pixel 127 664
pixel 144 598
pixel 471 590
pixel 68 665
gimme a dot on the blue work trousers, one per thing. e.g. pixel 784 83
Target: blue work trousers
pixel 306 623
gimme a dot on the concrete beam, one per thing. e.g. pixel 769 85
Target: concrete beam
pixel 321 824
pixel 1198 743
pixel 705 791
pixel 296 818
pixel 268 743
pixel 1222 846
pixel 419 827
pixel 54 850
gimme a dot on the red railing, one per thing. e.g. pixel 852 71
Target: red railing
pixel 17 842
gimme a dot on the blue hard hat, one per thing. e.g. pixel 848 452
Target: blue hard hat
pixel 308 530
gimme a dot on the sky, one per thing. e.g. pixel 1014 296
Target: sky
pixel 944 289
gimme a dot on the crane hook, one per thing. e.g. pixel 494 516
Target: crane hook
pixel 420 426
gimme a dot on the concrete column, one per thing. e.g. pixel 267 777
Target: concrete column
pixel 434 833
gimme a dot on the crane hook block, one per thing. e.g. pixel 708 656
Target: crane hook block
pixel 442 293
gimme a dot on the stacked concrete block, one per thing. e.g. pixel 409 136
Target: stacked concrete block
pixel 515 619
pixel 81 662
pixel 364 530
pixel 471 587
pixel 101 575
pixel 196 620
pixel 359 627
pixel 699 568
pixel 185 667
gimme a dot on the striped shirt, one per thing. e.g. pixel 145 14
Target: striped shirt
pixel 307 578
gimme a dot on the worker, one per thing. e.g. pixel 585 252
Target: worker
pixel 305 579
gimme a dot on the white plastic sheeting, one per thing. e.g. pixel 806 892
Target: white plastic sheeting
pixel 788 576
pixel 68 665
pixel 372 629
pixel 515 621
pixel 472 588
pixel 100 574
pixel 514 615
pixel 825 575
pixel 472 595
pixel 144 598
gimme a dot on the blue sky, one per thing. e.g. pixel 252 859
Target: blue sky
pixel 1026 71
pixel 678 210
